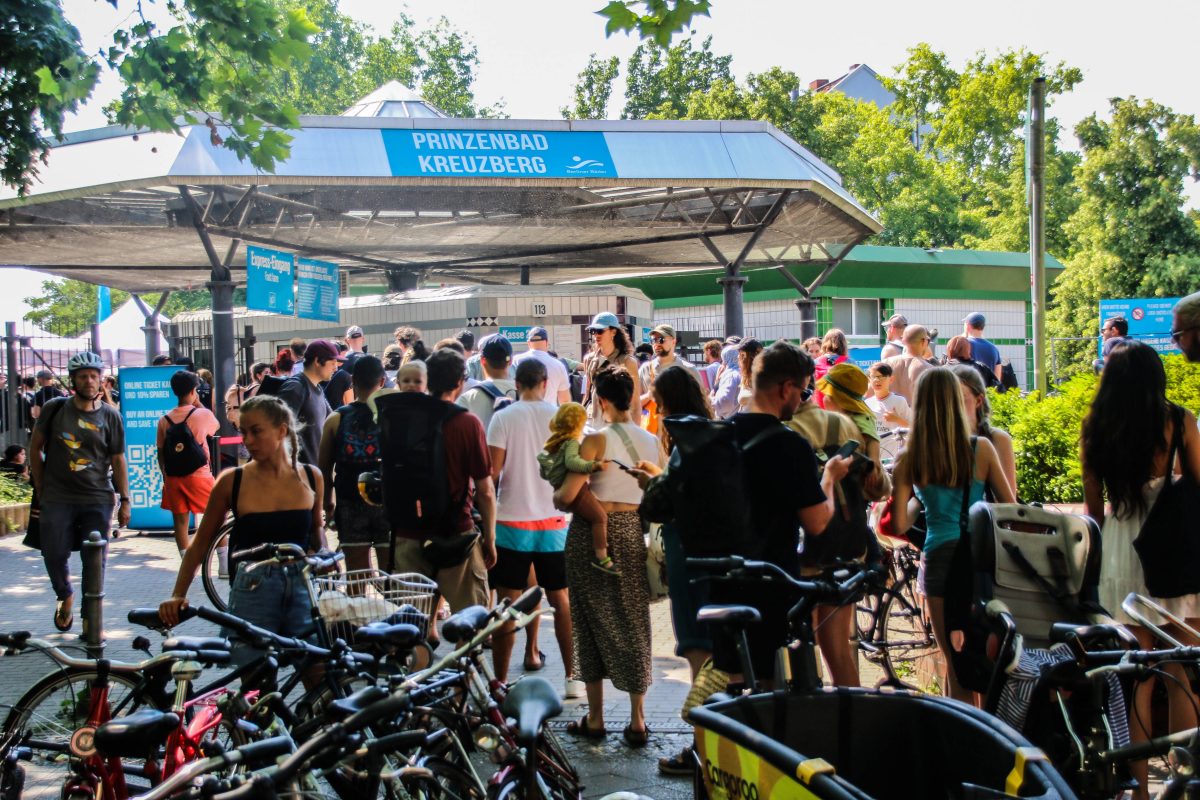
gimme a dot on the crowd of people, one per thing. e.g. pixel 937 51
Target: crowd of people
pixel 525 486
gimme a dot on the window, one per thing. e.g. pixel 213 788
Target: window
pixel 856 317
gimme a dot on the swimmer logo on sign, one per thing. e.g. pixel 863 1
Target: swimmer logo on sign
pixel 496 154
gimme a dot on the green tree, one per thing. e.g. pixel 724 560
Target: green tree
pixel 659 20
pixel 68 307
pixel 1130 235
pixel 216 54
pixel 593 89
pixel 659 81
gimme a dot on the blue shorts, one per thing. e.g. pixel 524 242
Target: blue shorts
pixel 274 598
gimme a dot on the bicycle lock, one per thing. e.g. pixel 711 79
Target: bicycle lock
pixel 92 553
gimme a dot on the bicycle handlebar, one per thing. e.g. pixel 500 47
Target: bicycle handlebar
pixel 833 589
pixel 17 641
pixel 252 753
pixel 286 553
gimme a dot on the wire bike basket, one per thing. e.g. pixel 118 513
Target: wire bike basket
pixel 350 600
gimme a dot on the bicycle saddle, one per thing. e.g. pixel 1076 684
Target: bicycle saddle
pixel 195 643
pixel 465 624
pixel 728 615
pixel 339 710
pixel 401 636
pixel 135 735
pixel 531 701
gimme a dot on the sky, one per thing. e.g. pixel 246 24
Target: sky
pixel 531 51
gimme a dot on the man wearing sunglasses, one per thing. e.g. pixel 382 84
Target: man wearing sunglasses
pixel 662 341
pixel 1185 326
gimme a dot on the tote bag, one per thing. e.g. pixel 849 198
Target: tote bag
pixel 1168 544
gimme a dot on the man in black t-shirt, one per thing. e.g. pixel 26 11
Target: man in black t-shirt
pixel 786 493
pixel 47 390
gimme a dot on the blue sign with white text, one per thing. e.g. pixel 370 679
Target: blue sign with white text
pixel 317 290
pixel 145 396
pixel 269 280
pixel 492 154
pixel 1149 320
pixel 515 335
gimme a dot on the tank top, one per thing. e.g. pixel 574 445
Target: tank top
pixel 614 485
pixel 356 449
pixel 291 526
pixel 943 509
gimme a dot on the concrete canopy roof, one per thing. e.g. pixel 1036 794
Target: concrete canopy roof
pixel 442 199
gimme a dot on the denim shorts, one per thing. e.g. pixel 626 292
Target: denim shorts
pixel 272 597
pixel 936 565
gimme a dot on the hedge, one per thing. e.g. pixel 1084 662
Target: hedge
pixel 1046 432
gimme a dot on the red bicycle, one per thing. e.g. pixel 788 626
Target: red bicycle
pixel 89 728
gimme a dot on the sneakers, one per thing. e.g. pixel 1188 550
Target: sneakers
pixel 574 689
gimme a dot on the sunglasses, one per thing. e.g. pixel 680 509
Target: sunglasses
pixel 657 339
pixel 1177 335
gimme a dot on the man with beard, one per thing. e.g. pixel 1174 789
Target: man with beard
pixel 83 439
pixel 662 341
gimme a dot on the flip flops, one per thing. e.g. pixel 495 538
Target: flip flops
pixel 535 666
pixel 636 739
pixel 63 623
pixel 580 728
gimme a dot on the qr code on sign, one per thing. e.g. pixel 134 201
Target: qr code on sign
pixel 145 478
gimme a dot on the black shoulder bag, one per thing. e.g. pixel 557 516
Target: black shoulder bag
pixel 1168 544
pixel 33 531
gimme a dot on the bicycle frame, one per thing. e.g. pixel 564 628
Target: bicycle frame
pixel 95 775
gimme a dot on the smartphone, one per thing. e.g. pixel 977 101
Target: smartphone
pixel 621 464
pixel 847 450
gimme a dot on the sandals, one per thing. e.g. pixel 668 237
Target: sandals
pixel 63 623
pixel 605 565
pixel 536 666
pixel 636 739
pixel 682 763
pixel 580 728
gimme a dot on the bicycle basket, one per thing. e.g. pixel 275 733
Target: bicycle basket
pixel 349 601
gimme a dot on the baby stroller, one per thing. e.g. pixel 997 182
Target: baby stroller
pixel 1035 580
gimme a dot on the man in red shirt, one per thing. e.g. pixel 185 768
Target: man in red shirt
pixel 186 494
pixel 467 465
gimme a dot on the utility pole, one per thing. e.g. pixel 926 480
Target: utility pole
pixel 1035 159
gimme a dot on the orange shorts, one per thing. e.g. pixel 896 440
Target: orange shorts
pixel 189 493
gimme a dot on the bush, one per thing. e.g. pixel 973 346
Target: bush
pixel 1046 432
pixel 13 490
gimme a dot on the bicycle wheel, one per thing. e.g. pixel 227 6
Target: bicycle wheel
pixel 445 782
pixel 867 629
pixel 216 584
pixel 908 644
pixel 48 715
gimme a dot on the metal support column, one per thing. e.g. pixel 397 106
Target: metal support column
pixel 1035 153
pixel 96 345
pixel 733 282
pixel 152 328
pixel 248 342
pixel 14 433
pixel 93 555
pixel 525 276
pixel 808 318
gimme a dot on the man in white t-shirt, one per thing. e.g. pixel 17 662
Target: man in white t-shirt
pixel 558 382
pixel 496 390
pixel 890 409
pixel 531 534
pixel 662 339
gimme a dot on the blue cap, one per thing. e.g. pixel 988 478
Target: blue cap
pixel 605 319
pixel 975 320
pixel 537 334
pixel 495 347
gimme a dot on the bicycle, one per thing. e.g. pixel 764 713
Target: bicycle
pixel 74 732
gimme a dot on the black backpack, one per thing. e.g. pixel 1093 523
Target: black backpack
pixel 847 536
pixel 574 382
pixel 706 455
pixel 1008 377
pixel 271 384
pixel 181 453
pixel 413 462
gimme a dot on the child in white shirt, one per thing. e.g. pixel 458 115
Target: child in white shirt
pixel 890 409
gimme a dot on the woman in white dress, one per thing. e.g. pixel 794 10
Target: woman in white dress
pixel 1124 449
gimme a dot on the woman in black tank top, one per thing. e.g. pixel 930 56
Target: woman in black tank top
pixel 273 499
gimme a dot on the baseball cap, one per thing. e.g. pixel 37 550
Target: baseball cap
pixel 975 319
pixel 733 340
pixel 466 339
pixel 354 332
pixel 537 334
pixel 322 349
pixel 495 347
pixel 605 319
pixel 666 331
pixel 896 321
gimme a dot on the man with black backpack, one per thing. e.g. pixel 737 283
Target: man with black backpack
pixel 183 455
pixel 433 452
pixel 350 447
pixel 302 392
pixel 497 390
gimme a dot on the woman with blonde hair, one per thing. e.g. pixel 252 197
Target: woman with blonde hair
pixel 940 463
pixel 274 499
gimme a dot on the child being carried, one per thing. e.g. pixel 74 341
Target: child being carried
pixel 560 458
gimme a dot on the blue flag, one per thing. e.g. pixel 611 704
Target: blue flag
pixel 103 303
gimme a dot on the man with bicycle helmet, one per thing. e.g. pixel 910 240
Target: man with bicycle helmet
pixel 76 458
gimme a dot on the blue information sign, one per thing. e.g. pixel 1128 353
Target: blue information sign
pixel 513 334
pixel 509 154
pixel 269 280
pixel 1149 320
pixel 317 290
pixel 145 396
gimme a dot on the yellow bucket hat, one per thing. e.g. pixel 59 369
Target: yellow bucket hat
pixel 846 384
